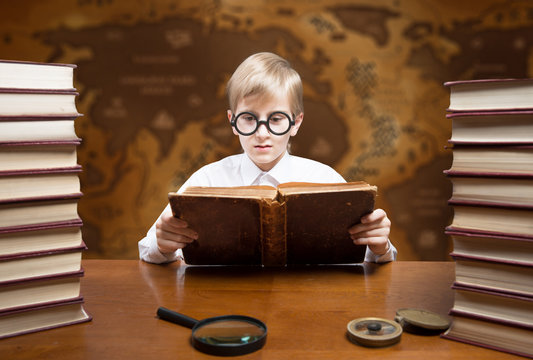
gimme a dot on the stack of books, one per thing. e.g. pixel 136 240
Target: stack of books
pixel 40 231
pixel 492 227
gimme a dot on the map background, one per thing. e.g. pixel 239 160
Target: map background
pixel 151 78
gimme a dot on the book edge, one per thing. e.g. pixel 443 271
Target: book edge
pixel 465 257
pixel 42 171
pixel 482 81
pixel 41 226
pixel 37 63
pixel 42 253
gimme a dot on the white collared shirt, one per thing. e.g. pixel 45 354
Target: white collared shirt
pixel 239 170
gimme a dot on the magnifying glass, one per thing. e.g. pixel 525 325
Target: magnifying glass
pixel 227 335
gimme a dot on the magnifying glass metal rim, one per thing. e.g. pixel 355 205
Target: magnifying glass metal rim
pixel 216 349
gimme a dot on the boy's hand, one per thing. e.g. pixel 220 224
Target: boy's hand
pixel 373 231
pixel 173 233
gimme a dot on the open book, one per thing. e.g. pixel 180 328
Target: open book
pixel 297 223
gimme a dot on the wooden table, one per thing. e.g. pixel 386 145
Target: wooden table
pixel 306 311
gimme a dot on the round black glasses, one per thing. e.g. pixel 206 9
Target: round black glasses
pixel 247 123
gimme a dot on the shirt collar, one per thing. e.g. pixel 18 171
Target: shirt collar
pixel 280 172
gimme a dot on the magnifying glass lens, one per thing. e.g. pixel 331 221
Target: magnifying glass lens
pixel 227 335
pixel 229 332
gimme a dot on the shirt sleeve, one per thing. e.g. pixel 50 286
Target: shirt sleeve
pixel 390 255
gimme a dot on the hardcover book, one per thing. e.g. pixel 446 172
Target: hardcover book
pixel 492 335
pixel 512 310
pixel 28 293
pixel 37 128
pixel 14 268
pixel 42 210
pixel 510 190
pixel 40 237
pixel 498 276
pixel 36 75
pixel 38 155
pixel 43 317
pixel 492 127
pixel 297 223
pixel 39 183
pixel 504 160
pixel 492 247
pixel 490 94
pixel 497 220
pixel 29 102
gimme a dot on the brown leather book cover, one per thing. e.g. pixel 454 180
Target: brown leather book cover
pixel 303 224
pixel 229 229
pixel 317 226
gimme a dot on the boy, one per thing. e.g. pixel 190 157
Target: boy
pixel 266 108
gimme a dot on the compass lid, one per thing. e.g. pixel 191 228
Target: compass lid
pixel 420 320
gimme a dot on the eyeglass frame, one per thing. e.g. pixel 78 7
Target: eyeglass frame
pixel 258 122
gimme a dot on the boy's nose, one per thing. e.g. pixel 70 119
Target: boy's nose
pixel 262 130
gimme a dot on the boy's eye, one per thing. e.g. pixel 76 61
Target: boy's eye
pixel 248 118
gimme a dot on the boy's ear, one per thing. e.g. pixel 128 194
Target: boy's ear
pixel 297 122
pixel 230 115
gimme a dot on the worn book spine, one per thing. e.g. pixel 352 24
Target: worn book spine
pixel 273 233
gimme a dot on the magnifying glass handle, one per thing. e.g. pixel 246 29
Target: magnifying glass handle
pixel 175 317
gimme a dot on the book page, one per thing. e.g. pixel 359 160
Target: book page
pixel 306 188
pixel 253 192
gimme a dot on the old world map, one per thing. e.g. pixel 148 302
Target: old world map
pixel 151 78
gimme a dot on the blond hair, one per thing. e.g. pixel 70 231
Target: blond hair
pixel 265 74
